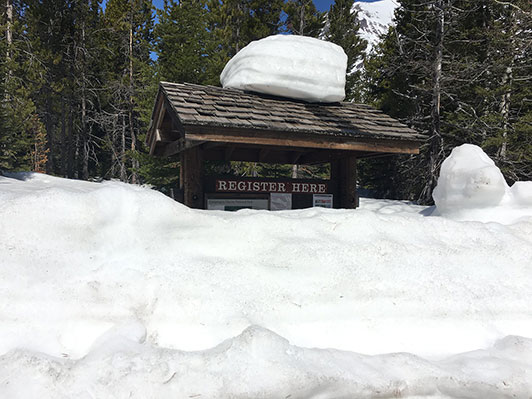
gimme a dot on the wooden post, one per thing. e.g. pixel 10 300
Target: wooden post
pixel 344 172
pixel 191 181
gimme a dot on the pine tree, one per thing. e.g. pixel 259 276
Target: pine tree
pixel 233 24
pixel 128 83
pixel 183 43
pixel 342 29
pixel 448 70
pixel 20 75
pixel 236 23
pixel 303 18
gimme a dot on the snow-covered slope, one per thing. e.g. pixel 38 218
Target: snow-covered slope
pixel 375 19
pixel 112 290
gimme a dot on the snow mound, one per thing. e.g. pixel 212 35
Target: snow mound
pixel 521 192
pixel 260 364
pixel 290 66
pixel 472 187
pixel 114 290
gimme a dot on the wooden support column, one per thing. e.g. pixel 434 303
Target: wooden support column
pixel 344 172
pixel 191 181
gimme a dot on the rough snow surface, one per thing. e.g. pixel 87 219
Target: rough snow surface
pixel 472 187
pixel 260 364
pixel 112 290
pixel 375 18
pixel 290 66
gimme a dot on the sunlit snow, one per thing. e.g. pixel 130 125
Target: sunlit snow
pixel 290 66
pixel 472 187
pixel 114 290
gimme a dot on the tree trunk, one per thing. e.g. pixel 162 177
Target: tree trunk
pixel 84 135
pixel 9 41
pixel 123 174
pixel 295 171
pixel 115 160
pixel 71 143
pixel 507 81
pixel 302 19
pixel 9 24
pixel 64 145
pixel 436 140
pixel 84 130
pixel 130 107
pixel 505 111
pixel 50 146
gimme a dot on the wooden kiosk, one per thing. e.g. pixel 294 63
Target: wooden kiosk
pixel 211 123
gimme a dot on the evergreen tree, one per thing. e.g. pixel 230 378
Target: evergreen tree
pixel 20 76
pixel 448 70
pixel 184 44
pixel 342 29
pixel 236 23
pixel 62 36
pixel 302 18
pixel 129 82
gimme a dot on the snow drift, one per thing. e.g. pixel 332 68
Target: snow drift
pixel 112 290
pixel 472 187
pixel 260 364
pixel 290 66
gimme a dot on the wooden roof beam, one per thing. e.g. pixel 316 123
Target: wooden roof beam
pixel 302 140
pixel 294 157
pixel 228 153
pixel 210 146
pixel 263 153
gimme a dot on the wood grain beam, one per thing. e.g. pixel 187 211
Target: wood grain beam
pixel 228 153
pixel 263 153
pixel 290 139
pixel 294 157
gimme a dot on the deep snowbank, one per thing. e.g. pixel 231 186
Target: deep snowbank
pixel 290 66
pixel 78 259
pixel 472 187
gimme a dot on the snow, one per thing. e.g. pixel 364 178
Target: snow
pixel 472 187
pixel 114 290
pixel 375 18
pixel 290 66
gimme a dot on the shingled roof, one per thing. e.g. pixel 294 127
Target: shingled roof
pixel 210 107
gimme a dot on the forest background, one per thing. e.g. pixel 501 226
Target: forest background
pixel 78 81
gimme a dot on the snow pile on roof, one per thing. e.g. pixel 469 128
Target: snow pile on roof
pixel 472 187
pixel 112 290
pixel 290 66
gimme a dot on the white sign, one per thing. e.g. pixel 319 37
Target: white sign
pixel 236 204
pixel 280 201
pixel 322 200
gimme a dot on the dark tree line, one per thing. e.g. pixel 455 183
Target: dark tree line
pixel 78 80
pixel 459 71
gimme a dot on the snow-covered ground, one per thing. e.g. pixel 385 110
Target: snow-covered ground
pixel 113 290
